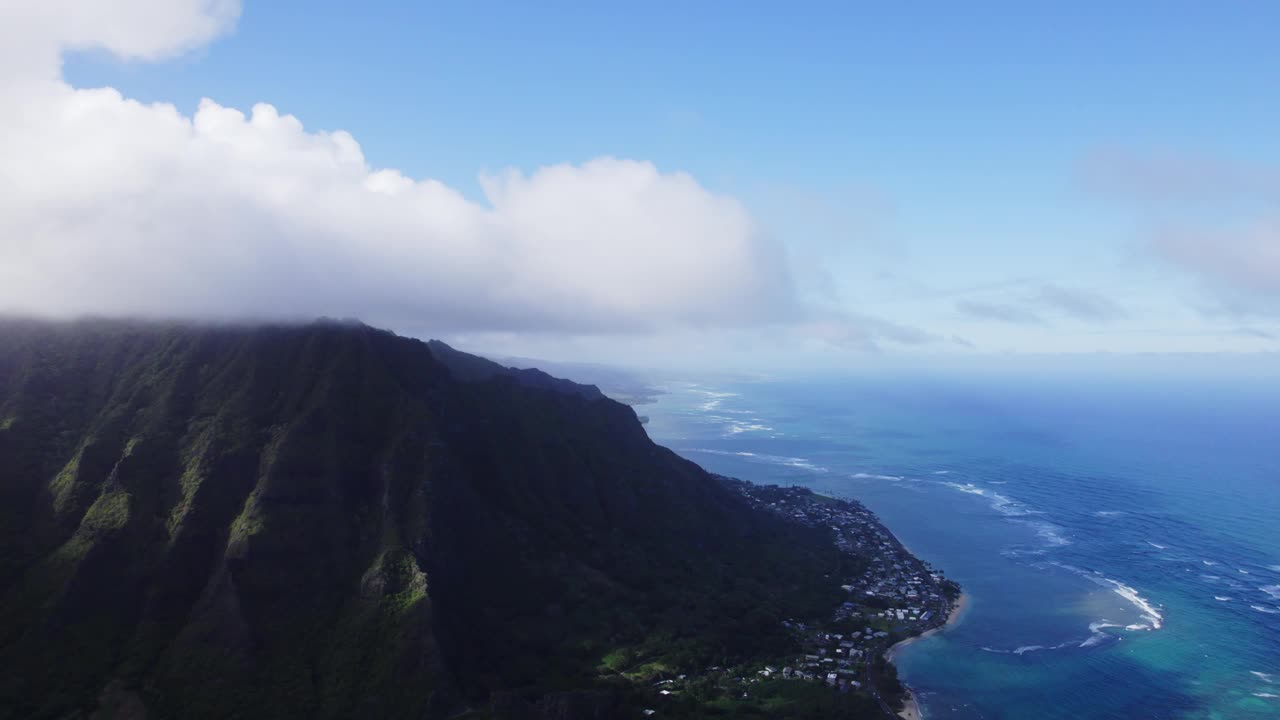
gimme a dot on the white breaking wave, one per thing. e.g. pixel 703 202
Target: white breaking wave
pixel 709 451
pixel 941 472
pixel 805 465
pixel 1267 610
pixel 1096 636
pixel 1210 563
pixel 795 462
pixel 1000 503
pixel 1222 598
pixel 1272 590
pixel 1037 648
pixel 1007 506
pixel 1109 513
pixel 736 428
pixel 872 476
pixel 1274 568
pixel 1149 613
pixel 714 399
pixel 1146 610
pixel 1265 695
pixel 1157 546
pixel 1051 533
pixel 1264 677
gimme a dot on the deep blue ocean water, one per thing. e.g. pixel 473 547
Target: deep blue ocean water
pixel 1119 539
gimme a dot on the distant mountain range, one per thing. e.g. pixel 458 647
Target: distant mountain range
pixel 331 521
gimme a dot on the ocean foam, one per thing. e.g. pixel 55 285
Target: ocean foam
pixel 1051 533
pixel 805 465
pixel 1037 648
pixel 736 428
pixel 802 463
pixel 1149 613
pixel 941 472
pixel 1272 590
pixel 1010 508
pixel 1222 598
pixel 1264 677
pixel 1000 503
pixel 1146 610
pixel 1267 610
pixel 873 476
pixel 1096 636
pixel 1109 513
pixel 1266 695
pixel 1157 546
pixel 714 399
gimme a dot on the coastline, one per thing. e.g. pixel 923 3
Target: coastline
pixel 911 707
pixel 953 617
pixel 893 569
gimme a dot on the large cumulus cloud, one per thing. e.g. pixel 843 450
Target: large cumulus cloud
pixel 110 206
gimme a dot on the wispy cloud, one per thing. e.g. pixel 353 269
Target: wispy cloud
pixel 1254 333
pixel 1000 312
pixel 1079 304
pixel 1161 179
pixel 1214 217
pixel 1241 257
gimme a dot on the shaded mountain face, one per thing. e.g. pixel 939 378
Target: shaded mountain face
pixel 332 521
pixel 472 368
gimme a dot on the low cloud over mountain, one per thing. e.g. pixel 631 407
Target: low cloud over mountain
pixel 108 205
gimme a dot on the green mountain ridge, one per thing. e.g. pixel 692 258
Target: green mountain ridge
pixel 328 520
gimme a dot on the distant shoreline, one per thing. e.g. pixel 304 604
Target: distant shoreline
pixel 911 707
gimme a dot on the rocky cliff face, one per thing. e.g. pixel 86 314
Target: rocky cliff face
pixel 328 521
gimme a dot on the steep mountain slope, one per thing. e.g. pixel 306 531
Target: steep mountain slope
pixel 471 368
pixel 327 521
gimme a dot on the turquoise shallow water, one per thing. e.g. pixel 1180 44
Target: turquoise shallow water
pixel 1120 541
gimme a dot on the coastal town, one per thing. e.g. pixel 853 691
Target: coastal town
pixel 894 599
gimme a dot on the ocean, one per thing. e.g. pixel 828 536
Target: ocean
pixel 1118 536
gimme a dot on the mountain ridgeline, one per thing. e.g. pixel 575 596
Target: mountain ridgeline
pixel 328 520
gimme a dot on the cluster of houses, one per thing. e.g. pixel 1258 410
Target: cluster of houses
pixel 896 596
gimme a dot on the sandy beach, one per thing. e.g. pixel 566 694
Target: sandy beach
pixel 911 708
pixel 953 617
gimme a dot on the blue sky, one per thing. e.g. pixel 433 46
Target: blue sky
pixel 1001 175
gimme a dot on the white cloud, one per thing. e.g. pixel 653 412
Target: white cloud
pixel 1216 217
pixel 111 206
pixel 1243 257
pixel 35 34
